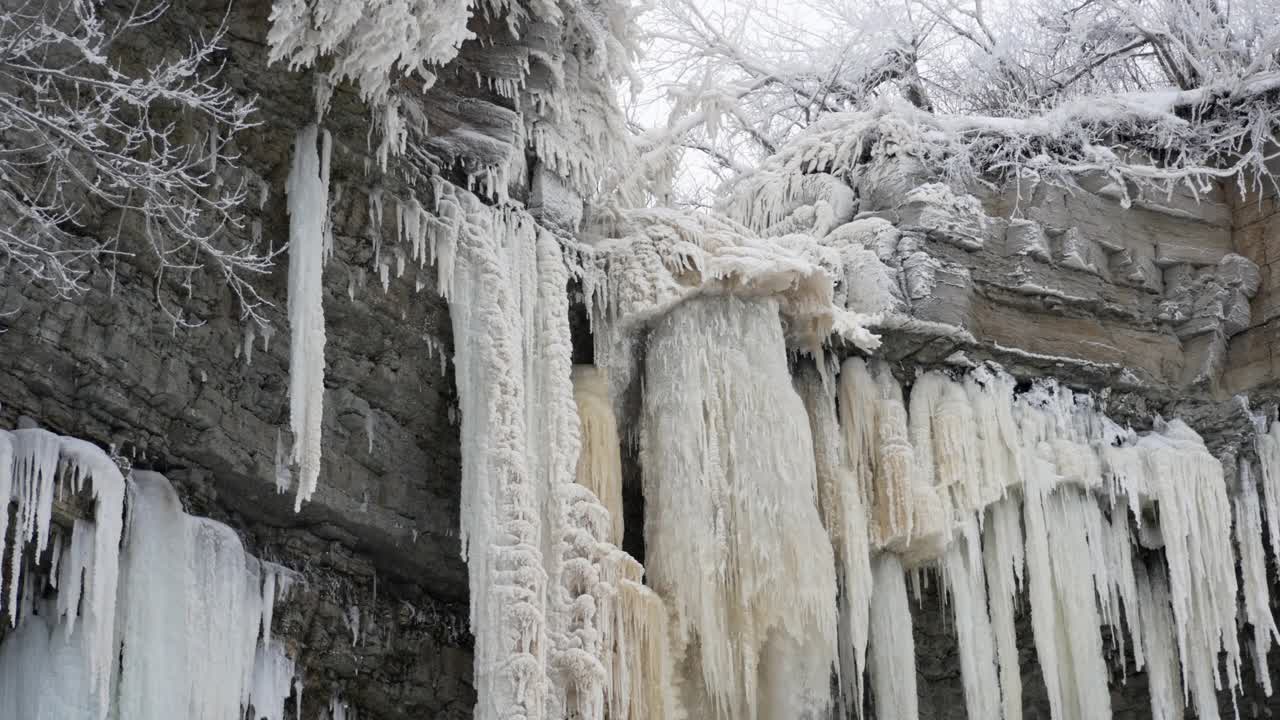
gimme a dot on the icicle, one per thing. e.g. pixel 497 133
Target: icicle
pixel 273 675
pixel 85 461
pixel 1253 569
pixel 351 618
pixel 840 500
pixel 893 651
pixel 641 684
pixel 267 331
pixel 1195 520
pixel 943 425
pixel 35 467
pixel 600 462
pixel 248 343
pixel 1156 617
pixel 1064 616
pixel 283 474
pixel 1002 548
pixel 907 515
pixel 33 477
pixel 991 396
pixel 43 674
pixel 729 480
pixel 1121 588
pixel 340 710
pixel 268 601
pixel 308 212
pixel 153 674
pixel 1268 447
pixel 965 579
pixel 505 282
pixel 7 494
pixel 222 615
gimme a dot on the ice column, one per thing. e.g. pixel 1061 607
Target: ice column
pixel 308 189
pixel 729 484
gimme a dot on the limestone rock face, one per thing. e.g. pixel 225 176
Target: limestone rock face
pixel 1080 282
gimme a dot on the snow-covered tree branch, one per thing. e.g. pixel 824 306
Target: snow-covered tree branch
pixel 83 134
pixel 1163 91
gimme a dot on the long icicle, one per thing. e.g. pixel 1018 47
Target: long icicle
pixel 893 653
pixel 840 500
pixel 308 191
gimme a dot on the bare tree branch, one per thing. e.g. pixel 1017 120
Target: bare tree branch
pixel 81 138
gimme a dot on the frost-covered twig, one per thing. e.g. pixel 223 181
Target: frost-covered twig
pixel 84 138
pixel 1183 82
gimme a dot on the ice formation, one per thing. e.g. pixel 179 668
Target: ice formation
pixel 556 625
pixel 907 514
pixel 37 466
pixel 964 474
pixel 729 483
pixel 308 190
pixel 168 623
pixel 1268 448
pixel 1167 699
pixel 600 462
pixel 965 577
pixel 369 39
pixel 842 505
pixel 641 682
pixel 1253 571
pixel 893 650
pixel 1002 557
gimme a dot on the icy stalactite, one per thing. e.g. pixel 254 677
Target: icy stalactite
pixel 191 614
pixel 641 686
pixel 1118 589
pixel 272 682
pixel 340 710
pixel 154 604
pixel 502 506
pixel 283 472
pixel 1069 514
pixel 308 191
pixel 893 652
pixel 926 395
pixel 729 481
pixel 1253 571
pixel 545 580
pixel 965 578
pixel 36 467
pixel 1268 447
pixel 844 514
pixel 1156 618
pixel 907 514
pixel 860 403
pixel 609 631
pixel 33 475
pixel 1002 554
pixel 944 431
pixel 578 594
pixel 1064 612
pixel 1195 521
pixel 990 393
pixel 165 626
pixel 600 461
pixel 223 614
